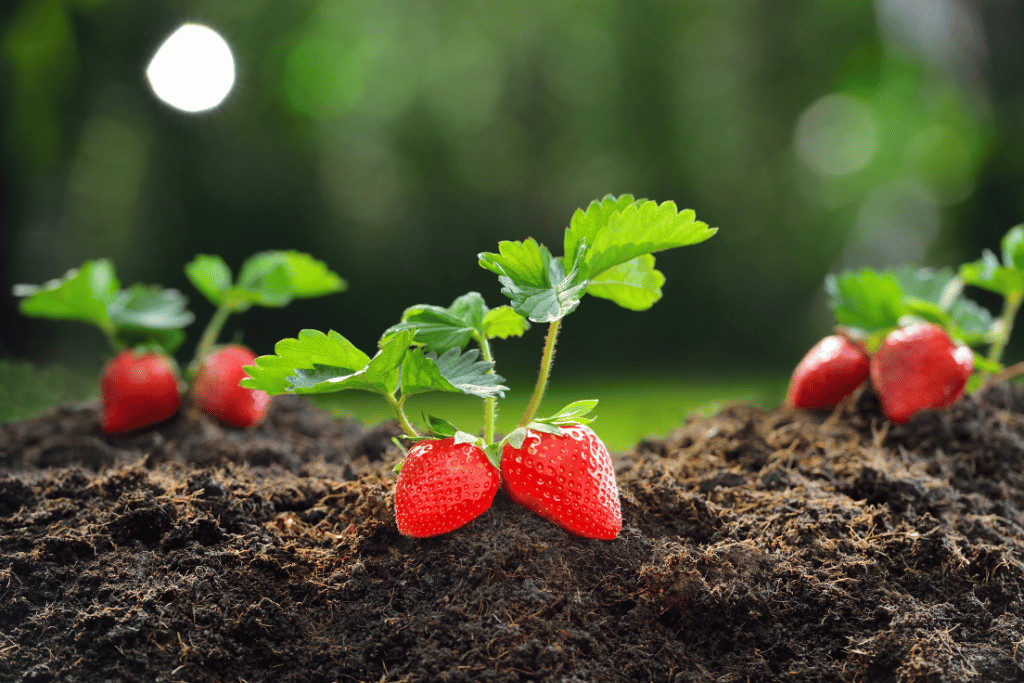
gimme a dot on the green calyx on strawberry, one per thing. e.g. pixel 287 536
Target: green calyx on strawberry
pixel 830 371
pixel 919 368
pixel 218 394
pixel 565 478
pixel 443 484
pixel 138 390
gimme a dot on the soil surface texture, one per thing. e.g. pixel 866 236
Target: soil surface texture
pixel 756 546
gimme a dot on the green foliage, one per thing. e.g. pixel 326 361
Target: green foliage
pixel 537 283
pixel 441 329
pixel 317 363
pixel 1005 278
pixel 270 278
pixel 872 303
pixel 610 246
pixel 136 316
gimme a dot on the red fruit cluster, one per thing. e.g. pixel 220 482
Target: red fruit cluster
pixel 917 368
pixel 140 390
pixel 566 479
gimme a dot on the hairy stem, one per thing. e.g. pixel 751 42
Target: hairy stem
pixel 545 370
pixel 1010 306
pixel 490 403
pixel 400 413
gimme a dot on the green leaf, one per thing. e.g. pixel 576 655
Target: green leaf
pixel 440 329
pixel 634 229
pixel 983 364
pixel 988 273
pixel 82 294
pixel 210 275
pixel 265 279
pixel 468 374
pixel 504 322
pixel 1013 248
pixel 866 300
pixel 940 287
pixel 537 283
pixel 635 284
pixel 970 323
pixel 311 277
pixel 574 413
pixel 379 376
pixel 311 348
pixel 440 428
pixel 421 374
pixel 145 314
pixel 516 437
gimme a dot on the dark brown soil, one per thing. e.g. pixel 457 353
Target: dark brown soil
pixel 756 546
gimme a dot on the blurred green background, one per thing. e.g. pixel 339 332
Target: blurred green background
pixel 396 140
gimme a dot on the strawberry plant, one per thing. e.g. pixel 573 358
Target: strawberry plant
pixel 555 465
pixel 144 325
pixel 912 331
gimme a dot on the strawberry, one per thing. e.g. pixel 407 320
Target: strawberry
pixel 443 486
pixel 138 390
pixel 830 371
pixel 567 479
pixel 917 368
pixel 217 392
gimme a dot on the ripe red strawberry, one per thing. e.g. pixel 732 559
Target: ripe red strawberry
pixel 566 479
pixel 217 392
pixel 443 486
pixel 830 371
pixel 917 368
pixel 138 390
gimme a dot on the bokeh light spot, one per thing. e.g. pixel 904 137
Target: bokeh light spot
pixel 193 70
pixel 323 79
pixel 837 135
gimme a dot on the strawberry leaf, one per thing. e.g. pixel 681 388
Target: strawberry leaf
pixel 970 323
pixel 82 294
pixel 441 329
pixel 210 275
pixel 536 282
pixel 265 280
pixel 380 376
pixel 1013 248
pixel 574 413
pixel 619 230
pixel 866 300
pixel 504 322
pixel 147 314
pixel 311 277
pixel 466 373
pixel 988 273
pixel 270 373
pixel 635 284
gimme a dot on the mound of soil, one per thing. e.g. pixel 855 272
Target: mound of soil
pixel 756 546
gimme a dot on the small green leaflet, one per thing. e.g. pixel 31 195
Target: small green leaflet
pixel 317 363
pixel 536 282
pixel 82 294
pixel 441 329
pixel 873 302
pixel 635 284
pixel 608 251
pixel 140 315
pixel 617 230
pixel 269 278
pixel 574 413
pixel 1006 278
pixel 311 348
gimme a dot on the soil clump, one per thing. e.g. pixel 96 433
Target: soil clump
pixel 757 545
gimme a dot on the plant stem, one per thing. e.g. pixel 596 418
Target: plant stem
pixel 545 370
pixel 1010 306
pixel 400 412
pixel 490 403
pixel 212 331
